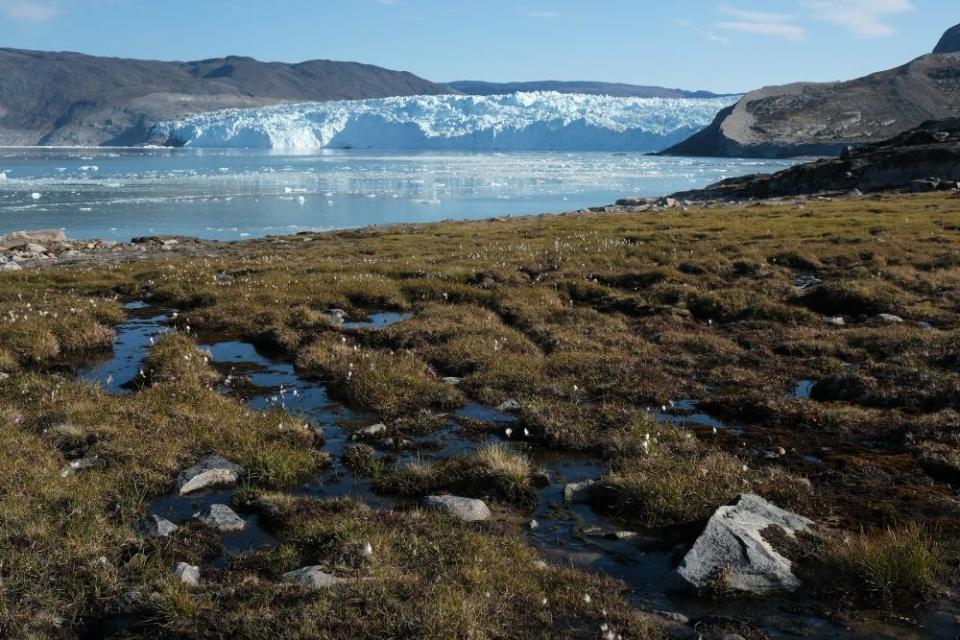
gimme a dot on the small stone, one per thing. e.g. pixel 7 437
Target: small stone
pixel 674 616
pixel 452 380
pixel 836 320
pixel 466 509
pixel 4 376
pixel 188 574
pixel 72 467
pixel 312 578
pixel 578 492
pixel 211 471
pixel 889 318
pixel 10 266
pixel 533 524
pixel 221 518
pixel 540 564
pixel 153 526
pixel 371 431
pixel 622 536
pixel 509 406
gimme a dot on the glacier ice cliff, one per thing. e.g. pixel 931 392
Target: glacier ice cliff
pixel 517 122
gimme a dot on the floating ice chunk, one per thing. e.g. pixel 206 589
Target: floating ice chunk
pixel 35 195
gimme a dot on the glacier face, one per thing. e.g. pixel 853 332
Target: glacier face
pixel 538 121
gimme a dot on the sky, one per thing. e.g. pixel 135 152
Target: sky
pixel 725 46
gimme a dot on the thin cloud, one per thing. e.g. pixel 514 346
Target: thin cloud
pixel 29 10
pixel 863 18
pixel 703 33
pixel 779 25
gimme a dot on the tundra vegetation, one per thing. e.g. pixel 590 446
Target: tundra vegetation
pixel 591 323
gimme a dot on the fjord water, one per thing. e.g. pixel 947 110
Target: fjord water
pixel 117 194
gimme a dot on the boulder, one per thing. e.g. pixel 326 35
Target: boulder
pixel 211 471
pixel 10 266
pixel 153 526
pixel 950 42
pixel 312 578
pixel 452 380
pixel 466 509
pixel 732 548
pixel 220 517
pixel 188 574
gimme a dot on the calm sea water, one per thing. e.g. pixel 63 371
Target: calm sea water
pixel 228 194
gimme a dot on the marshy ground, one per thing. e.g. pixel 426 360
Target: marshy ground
pixel 805 352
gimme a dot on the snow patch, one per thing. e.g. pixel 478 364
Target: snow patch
pixel 536 121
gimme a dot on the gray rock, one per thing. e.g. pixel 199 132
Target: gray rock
pixel 33 248
pixel 211 471
pixel 732 543
pixel 924 185
pixel 10 266
pixel 221 518
pixel 74 466
pixel 836 321
pixel 509 406
pixel 452 380
pixel 578 492
pixel 312 578
pixel 153 526
pixel 889 318
pixel 621 536
pixel 188 574
pixel 674 616
pixel 370 432
pixel 466 509
pixel 4 376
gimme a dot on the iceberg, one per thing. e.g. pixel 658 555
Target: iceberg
pixel 535 121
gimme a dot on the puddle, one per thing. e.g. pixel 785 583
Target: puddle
pixel 803 388
pixel 686 413
pixel 130 348
pixel 379 320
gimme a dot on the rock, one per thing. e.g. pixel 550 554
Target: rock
pixel 312 578
pixel 533 524
pixel 452 380
pixel 836 321
pixel 337 313
pixel 732 547
pixel 10 266
pixel 889 318
pixel 72 467
pixel 578 492
pixel 673 616
pixel 621 536
pixel 153 526
pixel 188 574
pixel 466 509
pixel 211 471
pixel 221 518
pixel 509 406
pixel 924 185
pixel 4 376
pixel 370 432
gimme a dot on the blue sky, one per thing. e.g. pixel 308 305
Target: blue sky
pixel 725 45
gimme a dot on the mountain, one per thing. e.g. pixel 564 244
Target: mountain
pixel 523 121
pixel 615 89
pixel 67 98
pixel 921 159
pixel 823 118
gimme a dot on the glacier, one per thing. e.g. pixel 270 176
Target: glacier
pixel 535 121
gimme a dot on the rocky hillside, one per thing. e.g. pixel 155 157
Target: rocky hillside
pixel 923 159
pixel 823 118
pixel 614 89
pixel 74 99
